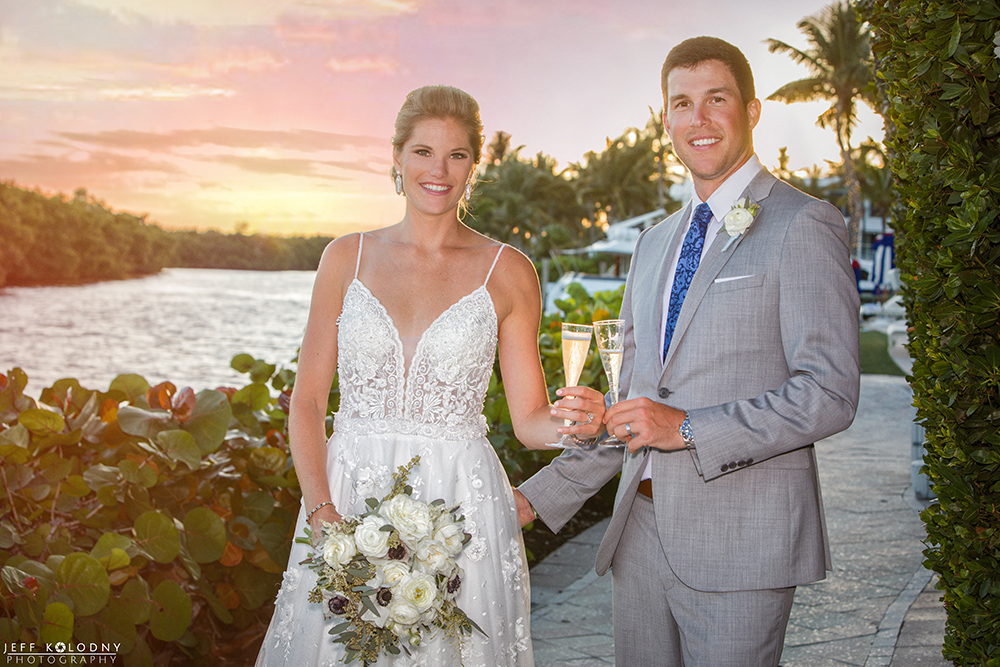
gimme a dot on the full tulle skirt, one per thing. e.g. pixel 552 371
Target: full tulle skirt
pixel 495 592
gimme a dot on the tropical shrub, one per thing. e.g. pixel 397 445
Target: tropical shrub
pixel 938 62
pixel 148 519
pixel 158 521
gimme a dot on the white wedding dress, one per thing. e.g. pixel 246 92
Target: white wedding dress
pixel 387 415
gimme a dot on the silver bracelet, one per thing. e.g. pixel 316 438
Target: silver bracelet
pixel 315 509
pixel 586 442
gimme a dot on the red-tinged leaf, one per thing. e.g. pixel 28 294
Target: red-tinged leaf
pixel 183 404
pixel 158 397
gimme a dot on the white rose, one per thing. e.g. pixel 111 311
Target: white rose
pixel 403 615
pixel 737 221
pixel 740 217
pixel 417 589
pixel 370 539
pixel 339 549
pixel 451 536
pixel 389 573
pixel 433 557
pixel 410 517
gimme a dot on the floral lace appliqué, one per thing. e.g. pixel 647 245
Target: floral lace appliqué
pixel 442 394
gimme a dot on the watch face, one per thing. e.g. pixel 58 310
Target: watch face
pixel 687 433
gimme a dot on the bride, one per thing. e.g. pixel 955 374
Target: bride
pixel 411 317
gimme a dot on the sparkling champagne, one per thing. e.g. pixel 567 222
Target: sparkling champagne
pixel 612 360
pixel 611 345
pixel 575 346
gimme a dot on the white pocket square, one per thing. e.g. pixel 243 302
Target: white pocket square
pixel 731 278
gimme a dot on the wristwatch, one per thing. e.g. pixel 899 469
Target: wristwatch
pixel 687 433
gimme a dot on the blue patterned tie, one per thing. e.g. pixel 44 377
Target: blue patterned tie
pixel 687 264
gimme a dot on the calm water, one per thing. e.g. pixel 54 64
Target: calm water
pixel 183 325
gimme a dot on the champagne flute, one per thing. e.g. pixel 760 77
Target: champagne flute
pixel 575 345
pixel 611 345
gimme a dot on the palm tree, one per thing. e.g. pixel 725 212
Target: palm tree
pixel 630 176
pixel 839 60
pixel 525 201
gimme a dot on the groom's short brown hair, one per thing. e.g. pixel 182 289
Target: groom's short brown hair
pixel 694 51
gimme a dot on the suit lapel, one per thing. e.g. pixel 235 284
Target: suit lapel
pixel 714 261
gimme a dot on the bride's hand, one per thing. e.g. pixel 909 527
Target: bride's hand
pixel 583 405
pixel 326 514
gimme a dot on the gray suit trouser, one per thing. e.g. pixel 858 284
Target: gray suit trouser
pixel 660 622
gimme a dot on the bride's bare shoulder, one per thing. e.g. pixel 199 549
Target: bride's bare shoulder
pixel 514 279
pixel 340 253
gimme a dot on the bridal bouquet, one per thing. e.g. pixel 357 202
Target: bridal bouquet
pixel 390 574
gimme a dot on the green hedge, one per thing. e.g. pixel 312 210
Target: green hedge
pixel 145 518
pixel 160 520
pixel 939 66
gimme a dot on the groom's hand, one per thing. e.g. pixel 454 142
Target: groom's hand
pixel 650 424
pixel 525 513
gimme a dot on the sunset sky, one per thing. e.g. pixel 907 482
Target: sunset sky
pixel 276 114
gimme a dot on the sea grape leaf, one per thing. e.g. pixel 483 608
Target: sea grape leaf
pixel 157 536
pixel 85 581
pixel 205 534
pixel 170 616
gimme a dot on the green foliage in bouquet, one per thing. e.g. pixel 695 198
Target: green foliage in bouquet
pixel 154 520
pixel 938 62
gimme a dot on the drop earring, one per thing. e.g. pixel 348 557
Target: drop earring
pixel 468 191
pixel 399 183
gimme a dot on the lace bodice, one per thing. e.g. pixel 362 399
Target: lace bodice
pixel 442 393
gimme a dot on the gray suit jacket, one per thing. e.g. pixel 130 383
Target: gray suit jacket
pixel 764 359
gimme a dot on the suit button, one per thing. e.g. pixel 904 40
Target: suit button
pixel 741 463
pixel 724 467
pixel 749 460
pixel 732 465
pixel 663 392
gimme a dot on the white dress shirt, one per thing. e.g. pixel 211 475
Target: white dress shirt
pixel 721 202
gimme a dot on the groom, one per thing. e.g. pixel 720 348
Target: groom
pixel 741 351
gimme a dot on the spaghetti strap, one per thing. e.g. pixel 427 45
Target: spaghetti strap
pixel 502 245
pixel 361 242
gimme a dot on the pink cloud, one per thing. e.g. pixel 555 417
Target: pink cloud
pixel 364 65
pixel 248 60
pixel 228 137
pixel 90 169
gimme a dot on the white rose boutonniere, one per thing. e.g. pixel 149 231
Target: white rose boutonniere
pixel 739 219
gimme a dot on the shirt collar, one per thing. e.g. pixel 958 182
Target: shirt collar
pixel 721 201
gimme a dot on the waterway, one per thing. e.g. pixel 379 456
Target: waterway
pixel 181 325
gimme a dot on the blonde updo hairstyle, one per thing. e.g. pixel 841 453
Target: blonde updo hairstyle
pixel 439 103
